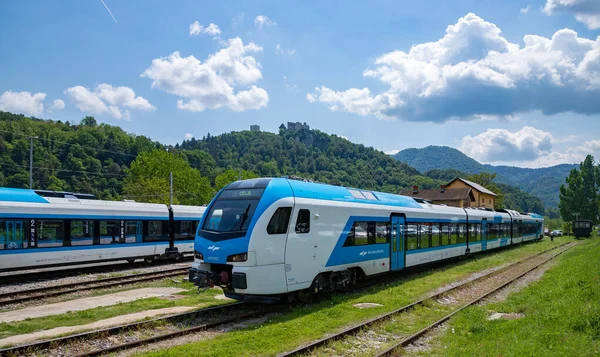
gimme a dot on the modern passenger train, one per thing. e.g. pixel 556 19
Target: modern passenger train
pixel 262 239
pixel 38 230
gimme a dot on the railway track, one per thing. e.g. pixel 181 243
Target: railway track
pixel 312 347
pixel 83 344
pixel 15 297
pixel 18 278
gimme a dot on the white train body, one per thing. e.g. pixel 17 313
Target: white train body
pixel 263 238
pixel 38 231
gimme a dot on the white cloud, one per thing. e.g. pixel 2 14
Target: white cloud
pixel 106 99
pixel 473 71
pixel 22 102
pixel 392 152
pixel 585 11
pixel 525 9
pixel 494 145
pixel 262 21
pixel 284 51
pixel 212 84
pixel 57 104
pixel 290 87
pixel 529 147
pixel 197 29
pixel 188 136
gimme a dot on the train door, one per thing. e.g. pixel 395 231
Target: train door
pixel 484 234
pixel 397 241
pixel 14 235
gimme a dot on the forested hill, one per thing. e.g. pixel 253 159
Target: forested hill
pixel 311 154
pixel 104 160
pixel 543 182
pixel 86 157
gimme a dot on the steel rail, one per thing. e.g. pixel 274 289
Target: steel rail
pixel 37 346
pixel 354 329
pixel 57 290
pixel 407 341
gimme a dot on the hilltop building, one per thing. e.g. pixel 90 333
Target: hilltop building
pixel 254 127
pixel 457 193
pixel 294 126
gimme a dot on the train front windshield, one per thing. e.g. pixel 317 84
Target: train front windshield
pixel 233 210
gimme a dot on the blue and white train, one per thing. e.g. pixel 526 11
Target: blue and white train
pixel 39 231
pixel 262 239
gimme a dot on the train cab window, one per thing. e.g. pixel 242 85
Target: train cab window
pixel 82 232
pixel 303 221
pixel 280 221
pixel 51 233
pixel 412 241
pixel 382 232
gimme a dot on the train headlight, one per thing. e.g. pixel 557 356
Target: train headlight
pixel 198 255
pixel 242 257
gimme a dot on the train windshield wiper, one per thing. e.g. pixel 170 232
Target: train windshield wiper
pixel 240 222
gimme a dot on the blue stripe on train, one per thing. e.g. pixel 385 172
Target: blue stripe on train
pixel 84 247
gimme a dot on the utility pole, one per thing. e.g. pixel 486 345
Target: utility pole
pixel 31 162
pixel 171 188
pixel 576 215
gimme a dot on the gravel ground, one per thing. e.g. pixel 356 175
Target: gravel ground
pixel 87 277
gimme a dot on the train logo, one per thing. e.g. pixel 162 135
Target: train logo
pixel 214 248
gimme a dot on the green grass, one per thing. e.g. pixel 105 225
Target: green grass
pixel 191 298
pixel 304 324
pixel 562 315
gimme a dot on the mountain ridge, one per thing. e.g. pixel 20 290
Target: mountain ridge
pixel 540 182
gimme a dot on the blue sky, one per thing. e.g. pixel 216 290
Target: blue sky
pixel 511 82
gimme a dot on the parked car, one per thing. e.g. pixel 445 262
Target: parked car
pixel 546 231
pixel 556 233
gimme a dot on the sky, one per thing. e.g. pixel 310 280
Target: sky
pixel 505 82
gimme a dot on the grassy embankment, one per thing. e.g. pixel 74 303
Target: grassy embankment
pixel 562 315
pixel 287 331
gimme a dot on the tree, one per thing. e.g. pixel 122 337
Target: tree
pixel 89 121
pixel 148 179
pixel 581 194
pixel 229 176
pixel 485 179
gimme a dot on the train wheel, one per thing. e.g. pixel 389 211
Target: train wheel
pixel 149 260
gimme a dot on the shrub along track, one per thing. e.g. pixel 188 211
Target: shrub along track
pixel 519 269
pixel 16 297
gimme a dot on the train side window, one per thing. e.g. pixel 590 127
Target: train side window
pixel 425 235
pixel 350 239
pixel 155 228
pixel 280 221
pixel 133 231
pixel 453 233
pixel 82 232
pixel 361 233
pixel 382 232
pixel 411 237
pixel 445 232
pixel 109 232
pixel 303 221
pixel 371 232
pixel 462 233
pixel 50 233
